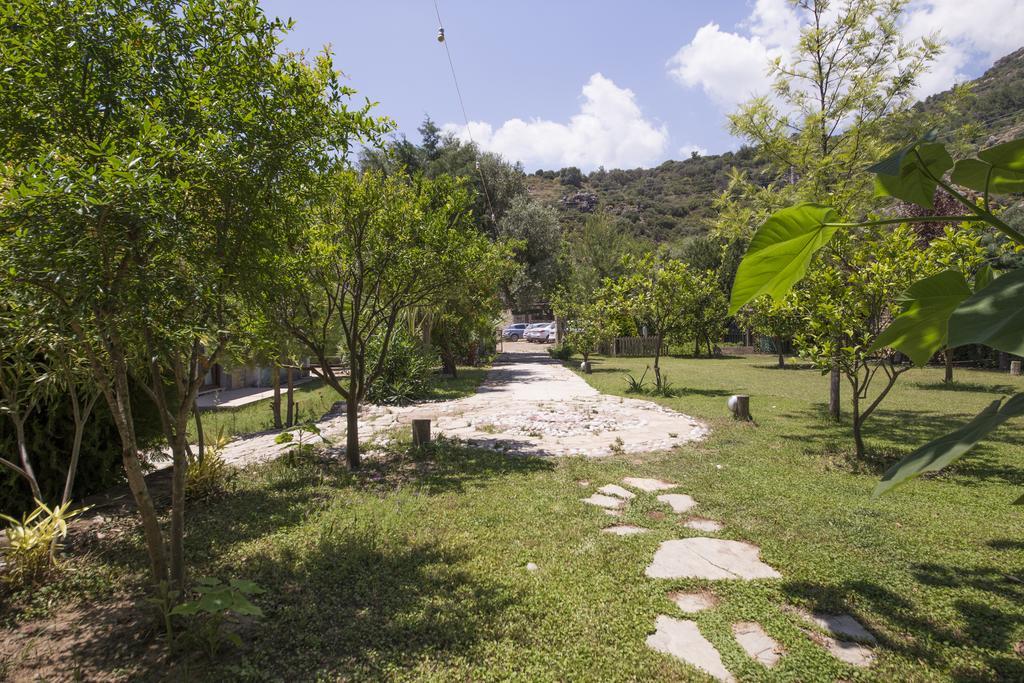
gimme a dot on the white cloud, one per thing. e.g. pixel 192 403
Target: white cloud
pixel 688 149
pixel 610 130
pixel 731 67
pixel 979 29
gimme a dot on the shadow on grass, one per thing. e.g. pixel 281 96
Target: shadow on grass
pixel 923 637
pixel 973 387
pixel 360 604
pixel 787 366
pixel 893 434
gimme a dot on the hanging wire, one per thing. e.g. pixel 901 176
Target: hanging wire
pixel 441 38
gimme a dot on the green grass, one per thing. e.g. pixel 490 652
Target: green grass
pixel 314 398
pixel 414 569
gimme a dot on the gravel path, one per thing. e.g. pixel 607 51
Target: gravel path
pixel 528 404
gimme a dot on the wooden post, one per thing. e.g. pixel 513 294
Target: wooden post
pixel 1015 367
pixel 420 432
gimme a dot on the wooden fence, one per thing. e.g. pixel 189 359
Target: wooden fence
pixel 630 346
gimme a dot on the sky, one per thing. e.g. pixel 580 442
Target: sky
pixel 590 83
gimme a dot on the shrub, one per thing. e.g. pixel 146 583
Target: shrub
pixel 560 351
pixel 637 385
pixel 35 540
pixel 210 475
pixel 405 371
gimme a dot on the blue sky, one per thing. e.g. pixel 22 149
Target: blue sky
pixel 592 83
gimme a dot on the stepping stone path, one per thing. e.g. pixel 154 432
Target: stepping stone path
pixel 761 647
pixel 681 638
pixel 679 502
pixel 691 603
pixel 706 525
pixel 624 530
pixel 709 558
pixel 617 491
pixel 714 559
pixel 648 485
pixel 608 502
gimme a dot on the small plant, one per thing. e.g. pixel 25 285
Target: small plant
pixel 35 540
pixel 618 447
pixel 299 448
pixel 209 475
pixel 284 437
pixel 637 386
pixel 216 602
pixel 664 389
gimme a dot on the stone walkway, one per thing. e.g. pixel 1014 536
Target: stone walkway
pixel 718 559
pixel 528 404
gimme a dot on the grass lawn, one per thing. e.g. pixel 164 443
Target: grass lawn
pixel 314 398
pixel 414 569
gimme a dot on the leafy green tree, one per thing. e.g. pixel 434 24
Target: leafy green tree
pixel 655 291
pixel 154 146
pixel 940 311
pixel 595 252
pixel 535 229
pixel 831 108
pixel 373 248
pixel 586 322
pixel 706 310
pixel 779 321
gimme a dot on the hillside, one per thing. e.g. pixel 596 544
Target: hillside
pixel 673 200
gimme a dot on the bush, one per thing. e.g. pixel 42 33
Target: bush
pixel 560 351
pixel 405 372
pixel 210 475
pixel 34 541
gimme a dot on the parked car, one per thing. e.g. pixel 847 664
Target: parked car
pixel 515 331
pixel 541 332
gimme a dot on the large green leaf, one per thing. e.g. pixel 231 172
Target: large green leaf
pixel 993 316
pixel 922 328
pixel 998 169
pixel 914 182
pixel 780 251
pixel 947 449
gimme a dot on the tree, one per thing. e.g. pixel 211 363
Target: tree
pixel 595 252
pixel 154 147
pixel 939 311
pixel 535 229
pixel 655 291
pixel 779 321
pixel 706 310
pixel 586 323
pixel 372 248
pixel 849 75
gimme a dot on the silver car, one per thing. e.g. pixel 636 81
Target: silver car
pixel 541 332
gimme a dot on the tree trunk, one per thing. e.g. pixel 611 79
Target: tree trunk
pixel 180 456
pixel 657 357
pixel 275 403
pixel 26 464
pixel 778 349
pixel 291 397
pixel 448 365
pixel 858 438
pixel 352 432
pixel 81 416
pixel 948 356
pixel 200 436
pixel 118 402
pixel 834 409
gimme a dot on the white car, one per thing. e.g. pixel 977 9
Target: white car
pixel 541 332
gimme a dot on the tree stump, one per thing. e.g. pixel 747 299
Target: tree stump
pixel 1014 367
pixel 420 432
pixel 740 407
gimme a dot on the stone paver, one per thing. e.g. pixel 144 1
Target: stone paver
pixel 706 525
pixel 839 625
pixel 624 530
pixel 616 490
pixel 679 502
pixel 601 500
pixel 529 405
pixel 682 639
pixel 761 647
pixel 648 485
pixel 845 651
pixel 691 603
pixel 708 558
